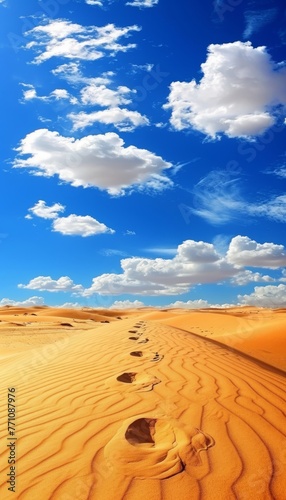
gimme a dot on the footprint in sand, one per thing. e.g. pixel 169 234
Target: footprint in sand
pixel 140 382
pixel 157 357
pixel 132 331
pixel 138 354
pixel 154 356
pixel 143 341
pixel 147 447
pixel 133 338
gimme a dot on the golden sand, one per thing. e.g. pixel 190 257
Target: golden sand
pixel 145 404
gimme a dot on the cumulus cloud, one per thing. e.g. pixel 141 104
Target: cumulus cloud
pixel 32 301
pixel 195 263
pixel 120 118
pixel 100 95
pixel 266 296
pixel 127 304
pixel 47 284
pixel 248 276
pixel 190 304
pixel 77 225
pixel 100 161
pixel 62 38
pixel 71 72
pixel 246 252
pixel 96 91
pixel 143 3
pixel 56 95
pixel 257 19
pixel 40 209
pixel 94 2
pixel 239 94
pixel 217 199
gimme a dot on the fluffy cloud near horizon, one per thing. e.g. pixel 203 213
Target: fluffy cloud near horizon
pixel 195 263
pixel 62 38
pixel 99 161
pixel 32 301
pixel 193 304
pixel 127 304
pixel 47 284
pixel 238 95
pixel 265 296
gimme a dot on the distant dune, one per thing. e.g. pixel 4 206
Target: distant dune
pixel 145 404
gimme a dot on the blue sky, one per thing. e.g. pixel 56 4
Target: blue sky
pixel 143 153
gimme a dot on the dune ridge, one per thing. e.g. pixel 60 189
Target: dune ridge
pixel 94 422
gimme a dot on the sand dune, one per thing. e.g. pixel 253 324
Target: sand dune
pixel 188 418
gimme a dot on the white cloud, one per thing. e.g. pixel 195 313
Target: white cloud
pixel 196 304
pixel 40 209
pixel 77 225
pixel 55 95
pixel 111 252
pixel 61 38
pixel 266 296
pixel 71 305
pixel 122 119
pixel 94 2
pixel 142 3
pixel 143 67
pixel 190 304
pixel 127 304
pixel 248 276
pixel 194 263
pixel 71 72
pixel 238 95
pixel 273 209
pixel 100 161
pixel 70 225
pixel 218 200
pixel 32 301
pixel 100 95
pixel 257 19
pixel 47 284
pixel 246 252
pixel 283 278
pixel 280 172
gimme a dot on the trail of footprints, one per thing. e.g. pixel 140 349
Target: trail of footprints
pixel 149 435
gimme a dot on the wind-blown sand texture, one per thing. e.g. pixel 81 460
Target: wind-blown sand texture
pixel 143 404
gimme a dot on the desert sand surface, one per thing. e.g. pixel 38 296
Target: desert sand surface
pixel 159 404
